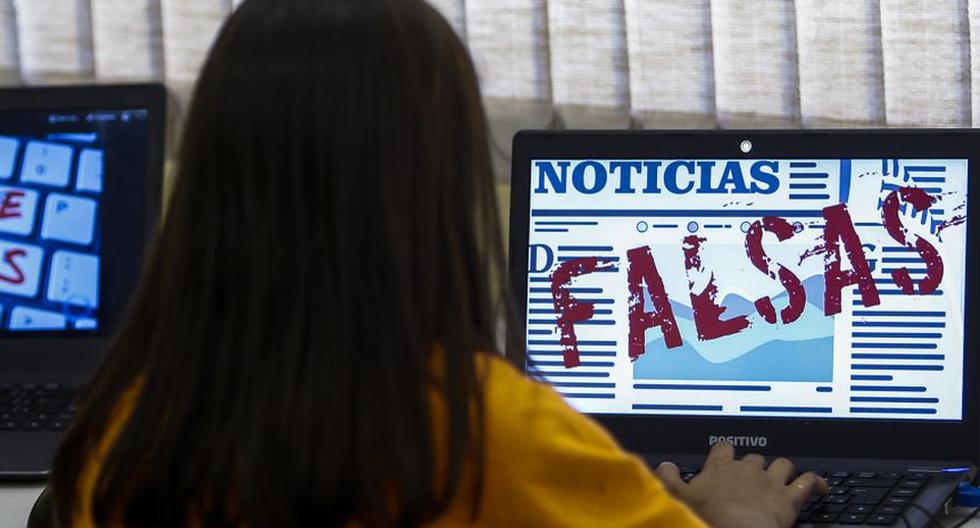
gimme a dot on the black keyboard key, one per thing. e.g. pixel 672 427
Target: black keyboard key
pixel 860 508
pixel 838 499
pixel 867 475
pixel 918 476
pixel 828 507
pixel 852 518
pixel 840 474
pixel 896 501
pixel 888 510
pixel 824 517
pixel 9 426
pixel 915 484
pixel 14 416
pixel 50 404
pixel 835 481
pixel 905 492
pixel 32 425
pixel 870 483
pixel 880 519
pixel 868 495
pixel 893 475
pixel 838 490
pixel 57 426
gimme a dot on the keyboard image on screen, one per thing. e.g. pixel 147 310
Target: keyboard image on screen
pixel 49 232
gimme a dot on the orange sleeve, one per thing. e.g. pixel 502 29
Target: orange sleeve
pixel 549 465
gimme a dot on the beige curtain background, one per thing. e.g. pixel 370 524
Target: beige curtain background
pixel 589 63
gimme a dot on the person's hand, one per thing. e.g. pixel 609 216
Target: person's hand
pixel 736 493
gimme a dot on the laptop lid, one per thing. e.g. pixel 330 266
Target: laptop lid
pixel 804 293
pixel 80 185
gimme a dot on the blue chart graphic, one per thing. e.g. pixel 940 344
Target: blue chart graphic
pixel 802 351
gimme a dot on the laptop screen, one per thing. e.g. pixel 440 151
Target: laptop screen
pixel 53 168
pixel 823 288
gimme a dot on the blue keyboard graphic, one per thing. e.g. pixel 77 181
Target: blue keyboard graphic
pixel 49 233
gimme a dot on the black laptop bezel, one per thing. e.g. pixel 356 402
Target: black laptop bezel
pixel 850 438
pixel 130 217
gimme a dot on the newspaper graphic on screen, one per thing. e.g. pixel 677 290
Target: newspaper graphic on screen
pixel 806 288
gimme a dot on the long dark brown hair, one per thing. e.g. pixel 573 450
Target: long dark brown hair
pixel 332 224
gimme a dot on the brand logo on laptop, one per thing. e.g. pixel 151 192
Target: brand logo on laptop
pixel 739 441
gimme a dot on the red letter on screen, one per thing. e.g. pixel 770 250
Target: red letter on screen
pixel 8 258
pixel 934 263
pixel 757 255
pixel 10 205
pixel 568 309
pixel 839 228
pixel 643 270
pixel 707 314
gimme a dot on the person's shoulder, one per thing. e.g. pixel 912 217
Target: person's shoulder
pixel 519 407
pixel 549 465
pixel 507 388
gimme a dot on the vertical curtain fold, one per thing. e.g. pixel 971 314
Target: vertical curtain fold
pixel 189 29
pixel 926 57
pixel 840 62
pixel 755 60
pixel 509 43
pixel 589 66
pixel 671 74
pixel 128 38
pixel 973 8
pixel 55 40
pixel 508 40
pixel 9 48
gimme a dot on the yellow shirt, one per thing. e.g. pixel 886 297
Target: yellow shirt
pixel 546 465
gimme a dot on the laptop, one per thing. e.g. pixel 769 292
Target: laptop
pixel 80 185
pixel 796 293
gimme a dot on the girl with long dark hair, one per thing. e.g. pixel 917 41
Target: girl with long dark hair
pixel 313 339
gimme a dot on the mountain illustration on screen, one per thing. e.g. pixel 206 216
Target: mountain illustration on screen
pixel 801 351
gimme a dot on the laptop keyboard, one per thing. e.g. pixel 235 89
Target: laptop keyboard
pixel 49 263
pixel 35 407
pixel 863 497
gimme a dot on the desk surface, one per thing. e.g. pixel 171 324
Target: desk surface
pixel 16 502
